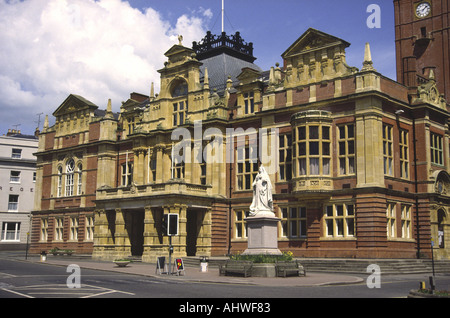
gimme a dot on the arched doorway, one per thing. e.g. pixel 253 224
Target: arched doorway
pixel 441 218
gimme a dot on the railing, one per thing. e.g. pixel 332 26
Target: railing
pixel 234 42
pixel 172 186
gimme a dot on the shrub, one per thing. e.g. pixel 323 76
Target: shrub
pixel 264 258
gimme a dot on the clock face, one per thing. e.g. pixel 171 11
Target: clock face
pixel 423 10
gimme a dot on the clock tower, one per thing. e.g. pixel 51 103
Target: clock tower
pixel 422 38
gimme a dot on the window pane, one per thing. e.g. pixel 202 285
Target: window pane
pixel 314 166
pixel 302 149
pixel 313 132
pixel 340 227
pixel 342 169
pixel 350 131
pixel 326 166
pixel 302 212
pixel 339 210
pixel 302 166
pixel 342 132
pixel 350 210
pixel 281 138
pixel 325 132
pixel 301 133
pixel 342 148
pixel 293 213
pixel 330 210
pixel 314 148
pixel 351 147
pixel 325 148
pixel 351 226
pixel 351 165
pixel 294 228
pixel 330 227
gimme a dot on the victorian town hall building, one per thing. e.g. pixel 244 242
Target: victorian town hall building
pixel 362 161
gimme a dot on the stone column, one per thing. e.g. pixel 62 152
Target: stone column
pixel 122 246
pixel 159 164
pixel 369 143
pixel 139 175
pixel 204 235
pixel 152 246
pixel 103 240
pixel 179 241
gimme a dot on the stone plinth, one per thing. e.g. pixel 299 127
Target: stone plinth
pixel 262 232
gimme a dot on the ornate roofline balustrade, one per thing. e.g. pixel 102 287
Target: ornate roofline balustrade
pixel 212 45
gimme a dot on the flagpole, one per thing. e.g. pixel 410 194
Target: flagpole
pixel 223 12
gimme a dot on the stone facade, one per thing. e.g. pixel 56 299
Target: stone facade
pixel 17 188
pixel 361 171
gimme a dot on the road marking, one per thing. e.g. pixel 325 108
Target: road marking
pixel 7 275
pixel 86 291
pixel 17 293
pixel 109 291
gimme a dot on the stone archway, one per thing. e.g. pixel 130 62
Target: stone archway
pixel 441 224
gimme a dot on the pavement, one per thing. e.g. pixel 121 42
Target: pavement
pixel 194 274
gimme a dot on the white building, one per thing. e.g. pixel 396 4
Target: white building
pixel 17 187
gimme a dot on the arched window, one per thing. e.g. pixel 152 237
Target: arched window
pixel 70 170
pixel 180 105
pixel 441 220
pixel 79 178
pixel 60 172
pixel 180 88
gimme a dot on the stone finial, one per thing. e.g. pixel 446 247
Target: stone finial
pixel 368 63
pixel 206 80
pixel 109 113
pixel 272 76
pixel 46 122
pixel 152 90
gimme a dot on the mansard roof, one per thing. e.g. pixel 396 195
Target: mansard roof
pixel 223 65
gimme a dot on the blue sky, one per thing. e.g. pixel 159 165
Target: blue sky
pixel 109 48
pixel 274 25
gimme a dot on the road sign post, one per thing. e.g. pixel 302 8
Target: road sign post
pixel 170 228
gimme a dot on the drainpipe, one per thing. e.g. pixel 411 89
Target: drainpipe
pixel 230 170
pixel 416 187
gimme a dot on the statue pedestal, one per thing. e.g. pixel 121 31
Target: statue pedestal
pixel 262 232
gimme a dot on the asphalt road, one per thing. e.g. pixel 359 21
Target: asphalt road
pixel 22 279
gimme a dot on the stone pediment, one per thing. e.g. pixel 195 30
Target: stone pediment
pixel 130 104
pixel 315 57
pixel 313 40
pixel 248 75
pixel 74 103
pixel 179 53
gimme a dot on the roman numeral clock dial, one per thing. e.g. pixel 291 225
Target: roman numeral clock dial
pixel 423 10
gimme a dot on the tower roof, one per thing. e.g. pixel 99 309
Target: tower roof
pixel 224 56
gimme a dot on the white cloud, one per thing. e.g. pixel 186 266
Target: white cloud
pixel 98 49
